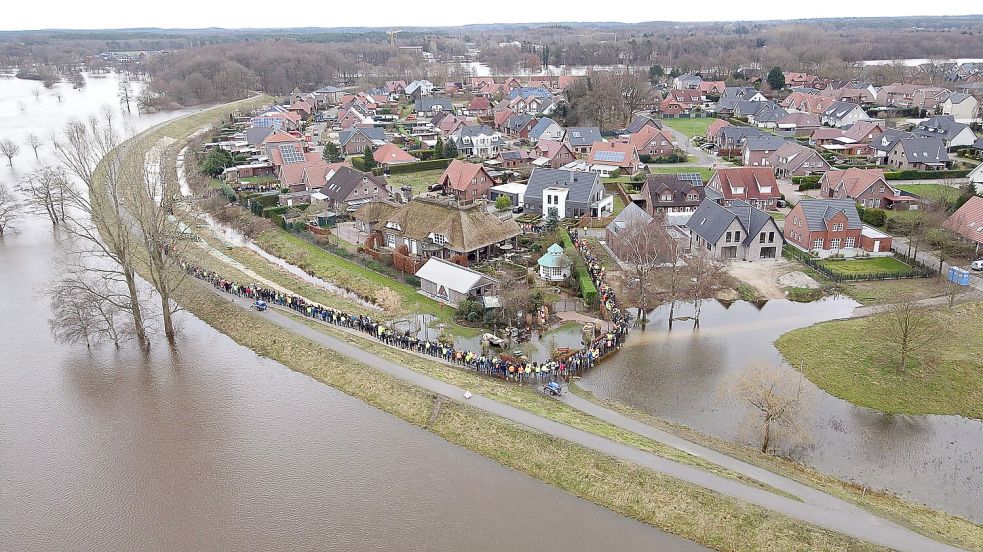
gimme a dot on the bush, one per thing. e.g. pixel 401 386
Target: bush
pixel 923 175
pixel 358 163
pixel 587 289
pixel 807 182
pixel 873 217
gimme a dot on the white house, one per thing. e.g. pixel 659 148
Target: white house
pixel 546 129
pixel 842 114
pixel 961 106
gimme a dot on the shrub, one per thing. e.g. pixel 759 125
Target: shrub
pixel 587 289
pixel 923 175
pixel 873 217
pixel 359 163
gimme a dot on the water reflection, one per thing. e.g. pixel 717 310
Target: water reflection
pixel 678 375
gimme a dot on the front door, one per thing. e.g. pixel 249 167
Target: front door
pixel 877 245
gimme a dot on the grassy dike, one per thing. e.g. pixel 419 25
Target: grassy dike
pixel 687 510
pixel 677 507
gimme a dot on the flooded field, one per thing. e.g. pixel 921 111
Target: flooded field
pixel 682 376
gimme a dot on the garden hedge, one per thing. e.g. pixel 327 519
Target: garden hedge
pixel 923 175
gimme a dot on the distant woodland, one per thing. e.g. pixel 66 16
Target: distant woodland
pixel 214 65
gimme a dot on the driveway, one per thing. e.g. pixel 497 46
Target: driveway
pixel 704 159
pixel 763 275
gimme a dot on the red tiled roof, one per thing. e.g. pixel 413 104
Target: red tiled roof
pixel 747 183
pixel 967 221
pixel 391 154
pixel 715 127
pixel 459 174
pixel 630 157
pixel 854 181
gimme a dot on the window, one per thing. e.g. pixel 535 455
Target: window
pixel 771 237
pixel 737 236
pixel 818 243
pixel 834 243
pixel 761 238
pixel 848 243
pixel 838 227
pixel 728 237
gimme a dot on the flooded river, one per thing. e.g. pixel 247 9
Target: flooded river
pixel 680 375
pixel 209 447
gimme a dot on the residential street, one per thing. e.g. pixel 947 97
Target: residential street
pixel 817 507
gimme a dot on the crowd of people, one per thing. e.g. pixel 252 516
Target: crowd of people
pixel 501 365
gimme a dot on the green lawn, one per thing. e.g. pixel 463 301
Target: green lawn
pixel 776 215
pixel 690 126
pixel 704 172
pixel 931 191
pixel 848 359
pixel 870 265
pixel 419 181
pixel 258 179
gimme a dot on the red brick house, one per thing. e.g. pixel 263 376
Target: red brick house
pixel 556 153
pixel 652 141
pixel 466 181
pixel 754 185
pixel 715 127
pixel 832 226
pixel 794 159
pixel 622 155
pixel 479 106
pixel 865 186
pixel 967 221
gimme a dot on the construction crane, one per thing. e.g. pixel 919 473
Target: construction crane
pixel 392 37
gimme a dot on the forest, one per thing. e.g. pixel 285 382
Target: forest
pixel 220 64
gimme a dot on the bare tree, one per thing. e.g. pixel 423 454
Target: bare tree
pixel 705 275
pixel 37 94
pixel 86 309
pixel 952 290
pixel 35 142
pixel 9 149
pixel 58 95
pixel 642 243
pixel 46 191
pixel 98 216
pixel 150 206
pixel 9 207
pixel 776 396
pixel 125 94
pixel 905 329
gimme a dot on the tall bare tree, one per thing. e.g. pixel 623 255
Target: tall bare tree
pixel 151 204
pixel 642 244
pixel 776 396
pixel 9 149
pixel 674 275
pixel 905 329
pixel 705 276
pixel 9 207
pixel 47 192
pixel 35 142
pixel 98 217
pixel 125 94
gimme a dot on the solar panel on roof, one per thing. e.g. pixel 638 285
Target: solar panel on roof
pixel 291 154
pixel 693 178
pixel 614 156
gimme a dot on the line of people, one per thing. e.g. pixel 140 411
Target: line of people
pixel 502 365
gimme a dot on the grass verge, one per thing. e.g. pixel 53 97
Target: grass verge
pixel 420 181
pixel 846 358
pixel 938 525
pixel 867 266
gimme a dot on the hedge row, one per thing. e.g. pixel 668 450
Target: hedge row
pixel 810 182
pixel 427 165
pixel 924 175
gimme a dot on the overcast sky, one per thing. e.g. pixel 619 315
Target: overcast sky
pixel 113 14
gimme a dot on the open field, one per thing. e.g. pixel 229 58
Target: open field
pixel 847 359
pixel 689 126
pixel 867 266
pixel 419 181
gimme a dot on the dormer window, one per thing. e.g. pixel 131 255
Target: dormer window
pixel 393 225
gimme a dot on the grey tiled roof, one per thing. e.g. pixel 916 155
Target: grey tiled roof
pixel 580 183
pixel 427 104
pixel 582 136
pixel 924 150
pixel 943 126
pixel 818 211
pixel 710 220
pixel 372 133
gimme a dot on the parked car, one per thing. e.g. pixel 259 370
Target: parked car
pixel 977 264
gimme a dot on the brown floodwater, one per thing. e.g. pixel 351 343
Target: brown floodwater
pixel 210 447
pixel 681 376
